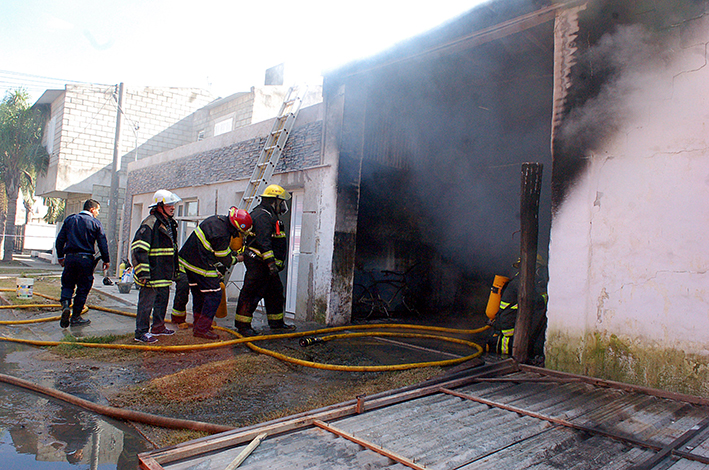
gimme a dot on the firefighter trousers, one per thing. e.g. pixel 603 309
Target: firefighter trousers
pixel 260 284
pixel 206 297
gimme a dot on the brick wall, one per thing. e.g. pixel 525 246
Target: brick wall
pixel 164 117
pixel 238 106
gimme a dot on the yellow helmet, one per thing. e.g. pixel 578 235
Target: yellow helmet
pixel 276 191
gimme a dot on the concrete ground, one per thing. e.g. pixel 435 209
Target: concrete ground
pixel 105 323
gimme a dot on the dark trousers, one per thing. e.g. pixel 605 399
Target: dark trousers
pixel 260 284
pixel 182 295
pixel 206 297
pixel 151 300
pixel 78 274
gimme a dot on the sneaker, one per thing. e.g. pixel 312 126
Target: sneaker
pixel 146 338
pixel 162 332
pixel 205 335
pixel 78 321
pixel 66 312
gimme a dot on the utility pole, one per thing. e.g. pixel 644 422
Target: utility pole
pixel 529 225
pixel 113 197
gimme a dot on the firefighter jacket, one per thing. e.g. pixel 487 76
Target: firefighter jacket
pixel 503 324
pixel 154 251
pixel 269 242
pixel 209 245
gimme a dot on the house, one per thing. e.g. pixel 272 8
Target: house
pixel 81 138
pixel 88 125
pixel 210 176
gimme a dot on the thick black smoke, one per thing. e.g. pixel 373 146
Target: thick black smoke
pixel 614 54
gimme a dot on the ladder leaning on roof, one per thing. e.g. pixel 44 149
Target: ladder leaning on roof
pixel 273 147
pixel 271 152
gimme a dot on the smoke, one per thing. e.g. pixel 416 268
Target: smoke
pixel 608 74
pixel 613 63
pixel 458 130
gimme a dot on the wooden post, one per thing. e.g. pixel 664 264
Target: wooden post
pixel 529 225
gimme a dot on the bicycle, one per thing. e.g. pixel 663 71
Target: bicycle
pixel 384 296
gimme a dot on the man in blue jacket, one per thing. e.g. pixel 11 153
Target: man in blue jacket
pixel 75 250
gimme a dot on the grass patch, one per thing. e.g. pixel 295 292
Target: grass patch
pixel 72 349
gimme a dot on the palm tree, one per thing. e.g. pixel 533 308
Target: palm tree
pixel 22 155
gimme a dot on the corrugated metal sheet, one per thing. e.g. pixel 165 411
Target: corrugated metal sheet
pixel 496 417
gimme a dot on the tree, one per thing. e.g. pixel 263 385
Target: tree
pixel 55 210
pixel 22 155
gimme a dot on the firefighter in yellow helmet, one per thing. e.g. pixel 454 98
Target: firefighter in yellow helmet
pixel 264 257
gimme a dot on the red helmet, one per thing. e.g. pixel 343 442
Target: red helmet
pixel 240 219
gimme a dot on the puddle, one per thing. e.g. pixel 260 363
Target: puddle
pixel 41 433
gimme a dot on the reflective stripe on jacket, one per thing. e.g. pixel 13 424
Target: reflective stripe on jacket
pixel 154 251
pixel 209 245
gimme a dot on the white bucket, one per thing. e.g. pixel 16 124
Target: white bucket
pixel 25 285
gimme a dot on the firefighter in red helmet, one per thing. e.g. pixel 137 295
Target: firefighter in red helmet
pixel 264 256
pixel 204 256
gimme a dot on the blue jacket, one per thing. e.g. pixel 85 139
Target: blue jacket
pixel 79 234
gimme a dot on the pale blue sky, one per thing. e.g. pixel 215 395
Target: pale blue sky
pixel 221 45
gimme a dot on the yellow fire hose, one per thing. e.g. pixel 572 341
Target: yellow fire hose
pixel 250 340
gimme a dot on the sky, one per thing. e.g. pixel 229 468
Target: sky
pixel 224 46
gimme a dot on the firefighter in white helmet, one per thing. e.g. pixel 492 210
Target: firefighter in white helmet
pixel 264 257
pixel 204 255
pixel 154 257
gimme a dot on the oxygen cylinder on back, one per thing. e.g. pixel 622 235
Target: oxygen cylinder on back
pixel 221 310
pixel 493 302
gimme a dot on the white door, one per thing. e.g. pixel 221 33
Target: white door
pixel 296 222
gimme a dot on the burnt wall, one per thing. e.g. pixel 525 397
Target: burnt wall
pixel 616 41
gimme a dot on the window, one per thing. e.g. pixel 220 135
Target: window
pixel 223 126
pixel 200 135
pixel 187 219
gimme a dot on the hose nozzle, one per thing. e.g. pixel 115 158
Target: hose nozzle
pixel 305 342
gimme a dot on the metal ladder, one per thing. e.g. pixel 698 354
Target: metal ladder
pixel 273 147
pixel 271 153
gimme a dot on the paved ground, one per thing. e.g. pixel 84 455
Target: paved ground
pixel 104 323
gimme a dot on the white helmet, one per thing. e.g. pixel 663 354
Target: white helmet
pixel 166 197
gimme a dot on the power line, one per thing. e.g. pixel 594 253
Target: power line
pixel 31 76
pixel 10 80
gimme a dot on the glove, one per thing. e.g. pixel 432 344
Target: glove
pixel 272 268
pixel 249 254
pixel 280 265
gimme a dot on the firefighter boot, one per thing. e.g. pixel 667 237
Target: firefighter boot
pixel 66 312
pixel 244 329
pixel 203 328
pixel 279 327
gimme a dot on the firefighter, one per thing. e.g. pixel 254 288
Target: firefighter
pixel 264 258
pixel 154 256
pixel 503 324
pixel 204 257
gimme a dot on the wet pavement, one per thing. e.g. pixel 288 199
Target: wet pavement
pixel 38 432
